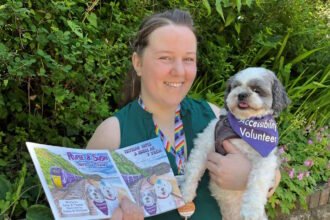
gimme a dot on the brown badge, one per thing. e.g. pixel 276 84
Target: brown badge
pixel 187 210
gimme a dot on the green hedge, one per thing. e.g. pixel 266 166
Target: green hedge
pixel 62 64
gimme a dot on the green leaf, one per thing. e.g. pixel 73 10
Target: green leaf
pixel 4 187
pixel 218 7
pixel 2 7
pixel 304 55
pixel 92 19
pixel 238 28
pixel 283 44
pixel 230 18
pixel 39 212
pixel 249 2
pixel 75 28
pixel 5 82
pixel 20 182
pixel 226 3
pixel 207 6
pixel 320 85
pixel 238 5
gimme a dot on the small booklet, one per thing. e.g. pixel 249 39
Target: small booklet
pixel 89 184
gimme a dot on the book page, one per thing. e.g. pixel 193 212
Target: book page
pixel 79 183
pixel 147 172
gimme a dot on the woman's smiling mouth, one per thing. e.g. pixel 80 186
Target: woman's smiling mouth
pixel 174 84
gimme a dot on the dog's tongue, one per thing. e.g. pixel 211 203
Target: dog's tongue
pixel 243 105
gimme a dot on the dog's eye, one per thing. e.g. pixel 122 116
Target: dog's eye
pixel 256 90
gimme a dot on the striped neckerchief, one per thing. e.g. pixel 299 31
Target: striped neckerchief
pixel 179 138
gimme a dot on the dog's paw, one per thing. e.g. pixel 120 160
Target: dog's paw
pixel 249 212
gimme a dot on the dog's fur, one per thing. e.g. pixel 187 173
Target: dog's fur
pixel 263 95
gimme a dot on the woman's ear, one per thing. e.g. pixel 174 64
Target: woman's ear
pixel 137 63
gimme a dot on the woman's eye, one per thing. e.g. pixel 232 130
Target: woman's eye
pixel 189 59
pixel 165 58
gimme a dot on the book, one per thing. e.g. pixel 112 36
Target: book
pixel 89 184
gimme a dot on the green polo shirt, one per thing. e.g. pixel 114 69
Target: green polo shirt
pixel 136 125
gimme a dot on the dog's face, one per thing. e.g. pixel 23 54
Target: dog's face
pixel 148 197
pixel 255 92
pixel 109 192
pixel 94 194
pixel 163 188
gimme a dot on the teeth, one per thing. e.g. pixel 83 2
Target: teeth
pixel 174 84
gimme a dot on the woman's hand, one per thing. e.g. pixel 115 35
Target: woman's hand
pixel 127 210
pixel 277 182
pixel 230 171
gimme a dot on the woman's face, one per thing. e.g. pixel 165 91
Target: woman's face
pixel 167 66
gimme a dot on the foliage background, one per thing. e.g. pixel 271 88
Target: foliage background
pixel 62 64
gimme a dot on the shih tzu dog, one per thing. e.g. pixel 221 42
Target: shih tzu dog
pixel 254 96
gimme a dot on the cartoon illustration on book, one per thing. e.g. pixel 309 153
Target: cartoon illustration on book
pixel 147 172
pixel 80 183
pixel 89 184
pixel 111 195
pixel 148 200
pixel 96 197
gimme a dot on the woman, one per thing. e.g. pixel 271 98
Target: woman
pixel 164 68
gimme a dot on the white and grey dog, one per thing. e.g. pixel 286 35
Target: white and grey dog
pixel 253 96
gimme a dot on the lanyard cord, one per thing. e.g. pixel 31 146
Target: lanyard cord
pixel 179 137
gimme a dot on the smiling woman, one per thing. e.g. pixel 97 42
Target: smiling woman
pixel 164 68
pixel 168 66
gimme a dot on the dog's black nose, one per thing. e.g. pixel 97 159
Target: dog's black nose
pixel 242 96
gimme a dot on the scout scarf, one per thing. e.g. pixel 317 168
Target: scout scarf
pixel 260 133
pixel 179 137
pixel 102 206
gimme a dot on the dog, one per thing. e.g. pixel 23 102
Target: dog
pixel 111 196
pixel 95 195
pixel 254 96
pixel 149 201
pixel 165 200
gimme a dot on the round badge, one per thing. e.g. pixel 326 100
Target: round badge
pixel 187 210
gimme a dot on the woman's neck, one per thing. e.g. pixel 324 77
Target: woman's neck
pixel 160 111
pixel 163 116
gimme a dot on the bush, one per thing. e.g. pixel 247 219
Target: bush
pixel 62 64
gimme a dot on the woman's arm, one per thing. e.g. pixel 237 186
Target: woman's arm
pixel 232 171
pixel 106 135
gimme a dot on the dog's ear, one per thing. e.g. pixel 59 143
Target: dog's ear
pixel 280 97
pixel 227 91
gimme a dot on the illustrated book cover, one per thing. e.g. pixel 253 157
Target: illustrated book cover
pixel 89 184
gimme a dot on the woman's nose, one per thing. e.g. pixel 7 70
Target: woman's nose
pixel 178 67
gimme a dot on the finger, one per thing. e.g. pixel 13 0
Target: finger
pixel 131 210
pixel 215 178
pixel 212 167
pixel 214 157
pixel 117 214
pixel 230 148
pixel 277 182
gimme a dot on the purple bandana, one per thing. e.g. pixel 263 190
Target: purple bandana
pixel 260 133
pixel 102 206
pixel 152 209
